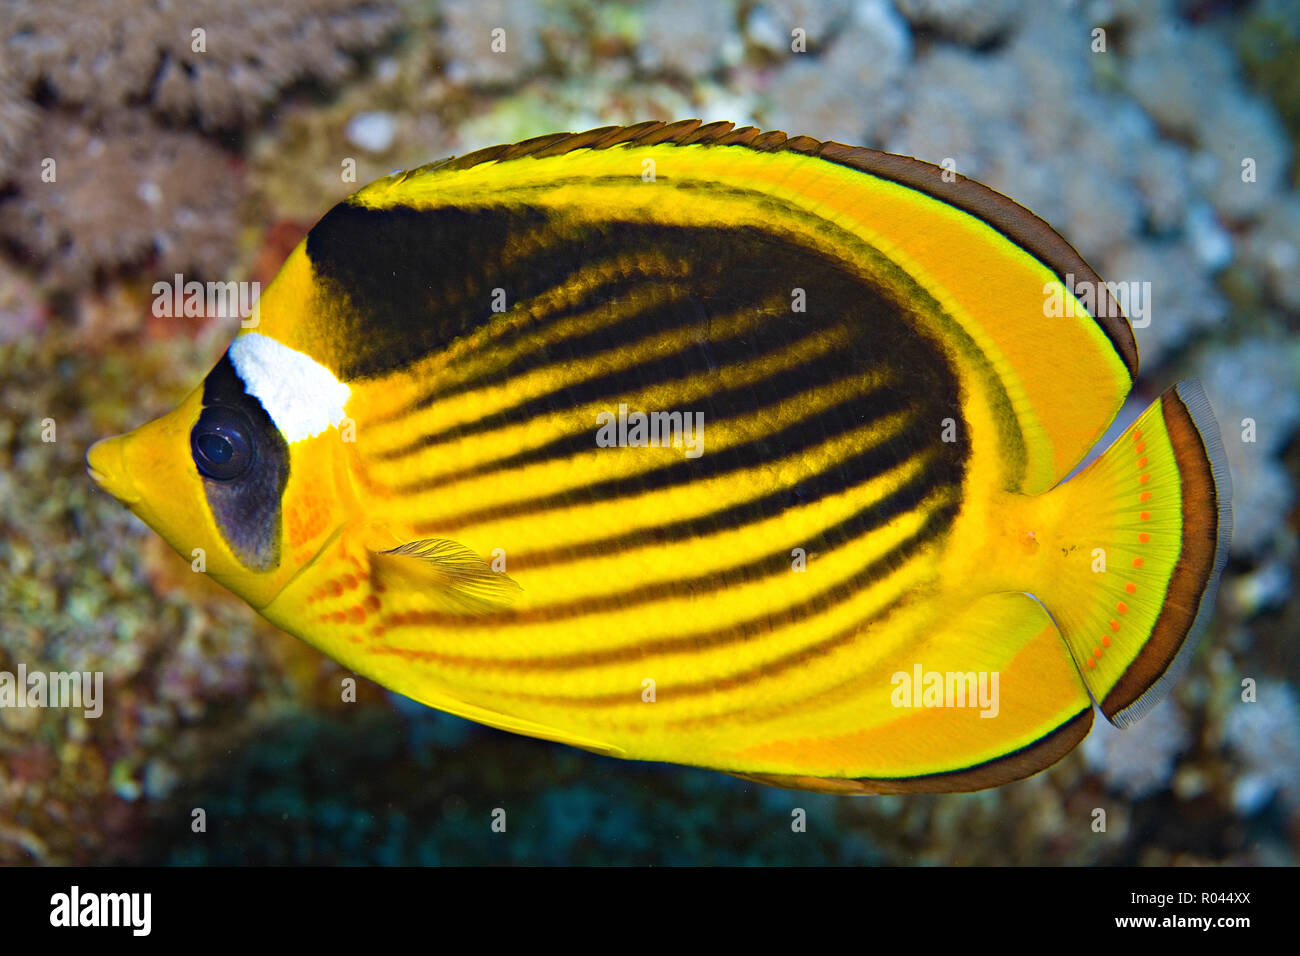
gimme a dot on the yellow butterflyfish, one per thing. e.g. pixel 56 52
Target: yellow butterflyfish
pixel 688 443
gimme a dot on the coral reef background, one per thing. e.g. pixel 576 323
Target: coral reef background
pixel 205 138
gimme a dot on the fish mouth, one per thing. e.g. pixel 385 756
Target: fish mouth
pixel 106 465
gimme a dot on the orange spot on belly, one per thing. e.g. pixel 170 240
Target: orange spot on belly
pixel 1144 537
pixel 1130 587
pixel 1137 562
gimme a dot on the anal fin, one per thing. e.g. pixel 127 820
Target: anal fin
pixel 912 728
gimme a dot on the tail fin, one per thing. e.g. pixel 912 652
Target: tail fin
pixel 1153 518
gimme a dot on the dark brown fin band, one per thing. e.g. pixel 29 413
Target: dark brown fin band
pixel 1008 217
pixel 1206 493
pixel 1017 765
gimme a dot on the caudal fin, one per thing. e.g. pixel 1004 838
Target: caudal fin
pixel 1153 517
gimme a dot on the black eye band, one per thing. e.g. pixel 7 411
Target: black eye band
pixel 221 443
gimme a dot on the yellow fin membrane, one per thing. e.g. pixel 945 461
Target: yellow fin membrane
pixel 1152 517
pixel 452 576
pixel 929 735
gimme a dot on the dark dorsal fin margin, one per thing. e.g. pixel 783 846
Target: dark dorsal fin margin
pixel 1008 217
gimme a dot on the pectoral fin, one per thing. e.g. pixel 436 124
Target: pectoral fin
pixel 448 573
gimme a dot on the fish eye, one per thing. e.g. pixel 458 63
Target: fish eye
pixel 220 443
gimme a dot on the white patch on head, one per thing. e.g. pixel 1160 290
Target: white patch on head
pixel 302 396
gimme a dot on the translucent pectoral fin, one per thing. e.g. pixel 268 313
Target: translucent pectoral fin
pixel 450 575
pixel 361 591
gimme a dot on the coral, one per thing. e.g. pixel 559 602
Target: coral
pixel 686 37
pixel 1162 180
pixel 372 130
pixel 187 671
pixel 1269 45
pixel 967 21
pixel 1265 735
pixel 17 119
pixel 770 23
pixel 1183 301
pixel 1272 252
pixel 22 309
pixel 1127 199
pixel 1188 81
pixel 1255 381
pixel 950 108
pixel 1246 155
pixel 821 95
pixel 477 55
pixel 318 790
pixel 1139 760
pixel 1174 71
pixel 132 194
pixel 115 53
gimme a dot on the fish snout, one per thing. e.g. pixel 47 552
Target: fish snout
pixel 106 464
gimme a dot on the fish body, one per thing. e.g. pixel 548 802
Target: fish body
pixel 709 446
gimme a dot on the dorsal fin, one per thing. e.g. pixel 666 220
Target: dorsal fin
pixel 1002 213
